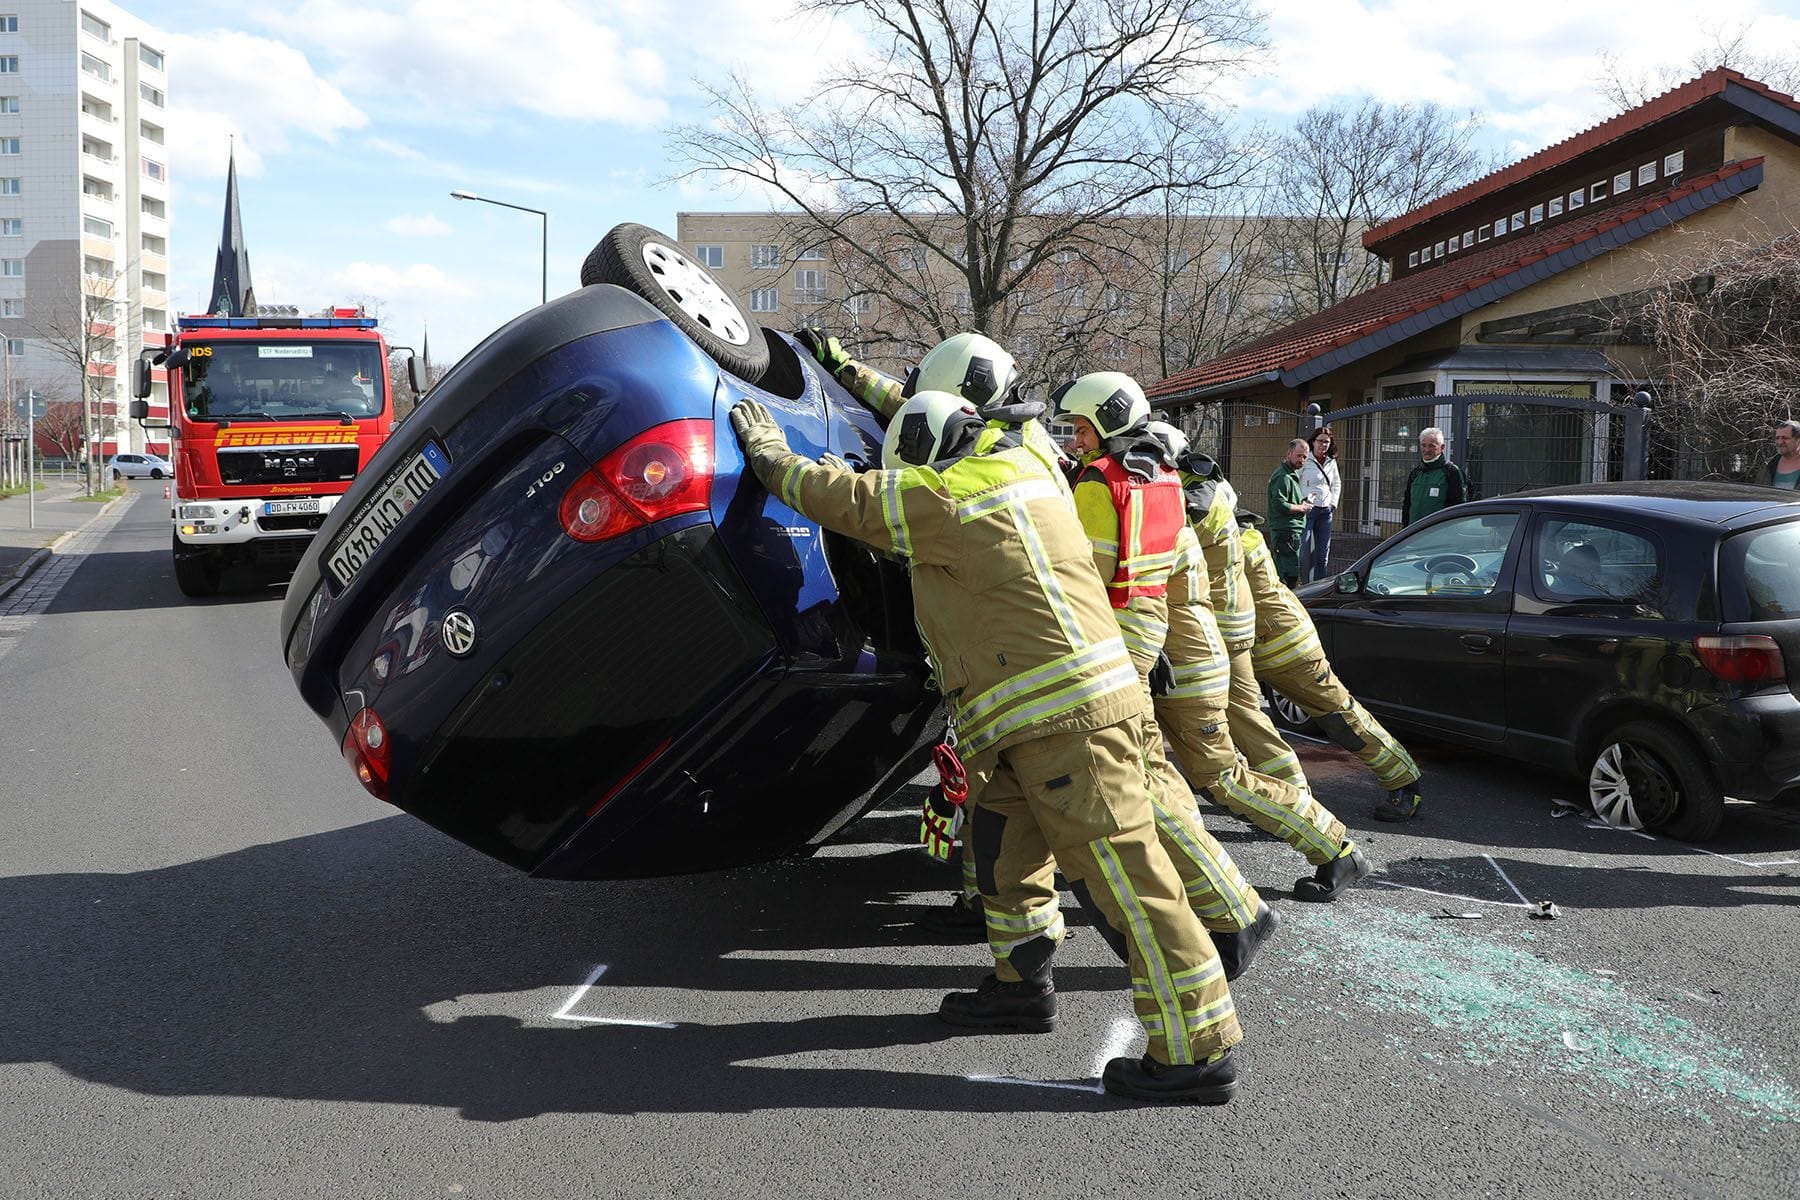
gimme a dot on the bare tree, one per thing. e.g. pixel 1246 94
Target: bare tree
pixel 1624 87
pixel 1342 170
pixel 80 326
pixel 990 149
pixel 62 426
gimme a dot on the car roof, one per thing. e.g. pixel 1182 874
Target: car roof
pixel 1700 502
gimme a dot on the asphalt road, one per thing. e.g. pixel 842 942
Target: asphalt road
pixel 229 973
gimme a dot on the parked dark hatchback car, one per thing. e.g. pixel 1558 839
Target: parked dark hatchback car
pixel 557 619
pixel 1643 636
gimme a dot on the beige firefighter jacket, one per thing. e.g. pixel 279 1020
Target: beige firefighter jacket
pixel 1004 589
pixel 1284 629
pixel 1194 645
pixel 1232 605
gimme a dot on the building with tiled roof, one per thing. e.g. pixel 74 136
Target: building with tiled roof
pixel 1515 283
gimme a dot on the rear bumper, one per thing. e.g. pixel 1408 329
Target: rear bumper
pixel 1754 744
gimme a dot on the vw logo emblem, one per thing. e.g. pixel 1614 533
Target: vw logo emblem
pixel 459 632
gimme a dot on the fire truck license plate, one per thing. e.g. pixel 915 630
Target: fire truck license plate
pixel 276 508
pixel 402 489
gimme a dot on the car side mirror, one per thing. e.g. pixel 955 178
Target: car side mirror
pixel 1349 584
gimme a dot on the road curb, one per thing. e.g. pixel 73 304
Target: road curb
pixel 41 555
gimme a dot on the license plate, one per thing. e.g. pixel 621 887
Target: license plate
pixel 276 508
pixel 404 487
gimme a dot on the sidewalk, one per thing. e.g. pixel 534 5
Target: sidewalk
pixel 58 512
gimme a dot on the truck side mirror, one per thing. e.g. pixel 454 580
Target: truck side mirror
pixel 140 381
pixel 415 374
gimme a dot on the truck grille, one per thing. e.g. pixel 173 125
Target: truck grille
pixel 275 465
pixel 288 522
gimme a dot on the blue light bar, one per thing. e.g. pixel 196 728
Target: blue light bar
pixel 186 323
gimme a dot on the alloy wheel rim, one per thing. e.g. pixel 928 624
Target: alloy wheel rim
pixel 696 293
pixel 1629 789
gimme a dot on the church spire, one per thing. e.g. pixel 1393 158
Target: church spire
pixel 232 295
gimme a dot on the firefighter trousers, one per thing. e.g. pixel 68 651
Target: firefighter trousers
pixel 1198 731
pixel 1251 730
pixel 1080 800
pixel 1314 686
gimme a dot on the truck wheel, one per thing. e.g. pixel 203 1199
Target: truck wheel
pixel 197 572
pixel 651 264
pixel 1645 775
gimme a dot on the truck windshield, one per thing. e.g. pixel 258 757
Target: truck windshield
pixel 282 380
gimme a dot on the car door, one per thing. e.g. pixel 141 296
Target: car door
pixel 1594 612
pixel 1422 639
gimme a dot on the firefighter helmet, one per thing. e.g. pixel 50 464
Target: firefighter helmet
pixel 927 428
pixel 1111 400
pixel 969 365
pixel 1174 442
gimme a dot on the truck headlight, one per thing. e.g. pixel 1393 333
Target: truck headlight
pixel 198 512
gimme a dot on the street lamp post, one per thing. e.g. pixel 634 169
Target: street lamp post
pixel 544 287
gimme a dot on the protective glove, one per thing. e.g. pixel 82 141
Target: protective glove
pixel 1162 675
pixel 827 349
pixel 941 822
pixel 756 429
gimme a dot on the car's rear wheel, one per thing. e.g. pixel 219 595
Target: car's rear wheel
pixel 156 472
pixel 1646 775
pixel 653 265
pixel 1288 715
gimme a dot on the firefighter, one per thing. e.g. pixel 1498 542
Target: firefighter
pixel 1193 713
pixel 1212 511
pixel 1130 503
pixel 1049 713
pixel 1290 658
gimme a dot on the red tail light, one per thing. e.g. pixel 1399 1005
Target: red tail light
pixel 1749 658
pixel 661 472
pixel 366 750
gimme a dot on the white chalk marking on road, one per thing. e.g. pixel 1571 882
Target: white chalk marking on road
pixel 1407 887
pixel 1509 882
pixel 1742 862
pixel 1119 1036
pixel 1038 1083
pixel 564 1014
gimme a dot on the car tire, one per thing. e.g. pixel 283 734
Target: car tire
pixel 1647 775
pixel 1288 715
pixel 196 572
pixel 156 472
pixel 654 266
pixel 117 476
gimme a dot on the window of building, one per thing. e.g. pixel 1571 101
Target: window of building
pixel 93 264
pixel 155 245
pixel 809 287
pixel 1597 192
pixel 151 133
pixel 910 258
pixel 765 299
pixel 710 256
pixel 9 186
pixel 810 254
pixel 9 64
pixel 1647 174
pixel 151 96
pixel 94 148
pixel 97 226
pixel 12 308
pixel 1621 182
pixel 1437 251
pixel 152 207
pixel 1577 198
pixel 9 24
pixel 1673 163
pixel 858 305
pixel 765 256
pixel 12 268
pixel 99 68
pixel 156 318
pixel 9 104
pixel 9 145
pixel 1468 240
pixel 154 169
pixel 97 188
pixel 15 347
pixel 156 281
pixel 12 227
pixel 1486 232
pixel 1537 213
pixel 1518 221
pixel 150 58
pixel 1555 209
pixel 94 25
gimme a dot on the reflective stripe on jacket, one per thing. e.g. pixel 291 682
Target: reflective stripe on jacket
pixel 1004 591
pixel 1233 607
pixel 1195 648
pixel 1284 629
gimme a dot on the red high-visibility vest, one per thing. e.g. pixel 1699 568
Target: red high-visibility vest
pixel 1151 514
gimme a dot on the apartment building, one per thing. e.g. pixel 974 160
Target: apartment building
pixel 84 203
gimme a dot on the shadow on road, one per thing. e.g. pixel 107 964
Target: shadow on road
pixel 302 969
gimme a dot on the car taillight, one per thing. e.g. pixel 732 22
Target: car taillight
pixel 366 750
pixel 659 473
pixel 1748 658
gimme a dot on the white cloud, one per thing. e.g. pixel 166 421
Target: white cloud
pixel 264 92
pixel 423 225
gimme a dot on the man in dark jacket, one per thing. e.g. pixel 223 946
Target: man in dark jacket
pixel 1783 471
pixel 1435 483
pixel 1288 507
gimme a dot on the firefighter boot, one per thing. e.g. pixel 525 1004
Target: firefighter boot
pixel 1402 804
pixel 1334 876
pixel 1236 950
pixel 960 920
pixel 1028 1006
pixel 1213 1082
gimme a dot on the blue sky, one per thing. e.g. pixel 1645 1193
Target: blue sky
pixel 355 119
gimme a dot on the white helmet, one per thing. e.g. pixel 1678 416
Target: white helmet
pixel 1111 400
pixel 969 365
pixel 926 424
pixel 1174 442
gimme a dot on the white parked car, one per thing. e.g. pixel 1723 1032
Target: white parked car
pixel 136 466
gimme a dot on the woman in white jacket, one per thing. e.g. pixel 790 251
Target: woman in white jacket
pixel 1320 482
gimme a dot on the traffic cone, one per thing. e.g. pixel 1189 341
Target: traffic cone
pixel 165 491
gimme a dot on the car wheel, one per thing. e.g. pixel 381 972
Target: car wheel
pixel 641 260
pixel 1646 776
pixel 156 472
pixel 117 476
pixel 1288 715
